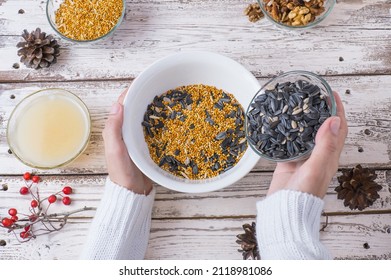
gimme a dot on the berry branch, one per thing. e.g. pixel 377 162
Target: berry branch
pixel 38 221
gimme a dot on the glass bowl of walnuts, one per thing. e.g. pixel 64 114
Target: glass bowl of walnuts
pixel 296 14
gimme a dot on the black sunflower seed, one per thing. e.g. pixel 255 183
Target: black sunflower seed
pixel 221 135
pixel 219 105
pixel 290 114
pixel 146 124
pixel 195 169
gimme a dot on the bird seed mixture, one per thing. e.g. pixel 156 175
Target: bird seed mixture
pixel 87 19
pixel 195 131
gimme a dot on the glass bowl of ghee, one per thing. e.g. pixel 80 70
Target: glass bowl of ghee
pixel 49 128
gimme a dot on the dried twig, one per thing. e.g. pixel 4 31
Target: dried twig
pixel 367 212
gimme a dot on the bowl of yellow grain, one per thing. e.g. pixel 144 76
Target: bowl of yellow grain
pixel 85 21
pixel 184 121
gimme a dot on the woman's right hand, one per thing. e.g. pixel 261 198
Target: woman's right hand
pixel 314 174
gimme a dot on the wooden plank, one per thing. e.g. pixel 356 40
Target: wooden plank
pixel 174 205
pixel 215 239
pixel 209 239
pixel 198 226
pixel 357 31
pixel 98 96
pixel 367 109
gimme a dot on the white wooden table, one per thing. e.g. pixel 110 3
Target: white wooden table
pixel 204 226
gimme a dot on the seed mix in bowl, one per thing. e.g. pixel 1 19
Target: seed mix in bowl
pixel 195 131
pixel 282 122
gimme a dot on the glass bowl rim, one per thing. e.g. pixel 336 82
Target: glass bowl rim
pixel 299 27
pixel 86 41
pixel 85 144
pixel 333 112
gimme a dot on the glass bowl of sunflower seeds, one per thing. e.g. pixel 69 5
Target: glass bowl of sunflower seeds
pixel 296 14
pixel 184 121
pixel 83 21
pixel 284 116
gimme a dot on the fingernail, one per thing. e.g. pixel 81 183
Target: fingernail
pixel 115 108
pixel 335 124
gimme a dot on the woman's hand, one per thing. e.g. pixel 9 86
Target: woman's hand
pixel 314 174
pixel 120 166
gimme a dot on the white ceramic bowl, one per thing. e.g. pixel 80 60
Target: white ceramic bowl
pixel 185 68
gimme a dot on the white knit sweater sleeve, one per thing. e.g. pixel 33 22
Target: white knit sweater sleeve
pixel 121 226
pixel 288 224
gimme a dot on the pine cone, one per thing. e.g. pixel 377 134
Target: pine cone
pixel 248 243
pixel 38 50
pixel 358 188
pixel 254 13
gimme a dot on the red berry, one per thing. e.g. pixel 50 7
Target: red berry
pixel 27 176
pixel 24 190
pixel 34 203
pixel 67 190
pixel 7 222
pixel 33 218
pixel 24 234
pixel 36 179
pixel 52 198
pixel 27 228
pixel 14 219
pixel 12 211
pixel 66 200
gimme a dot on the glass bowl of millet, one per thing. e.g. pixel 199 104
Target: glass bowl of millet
pixel 296 14
pixel 85 21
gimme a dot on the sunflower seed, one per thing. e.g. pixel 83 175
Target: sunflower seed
pixel 159 124
pixel 219 105
pixel 146 124
pixel 221 135
pixel 195 169
pixel 283 121
pixel 210 121
pixel 261 98
pixel 149 131
pixel 297 111
pixel 231 114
